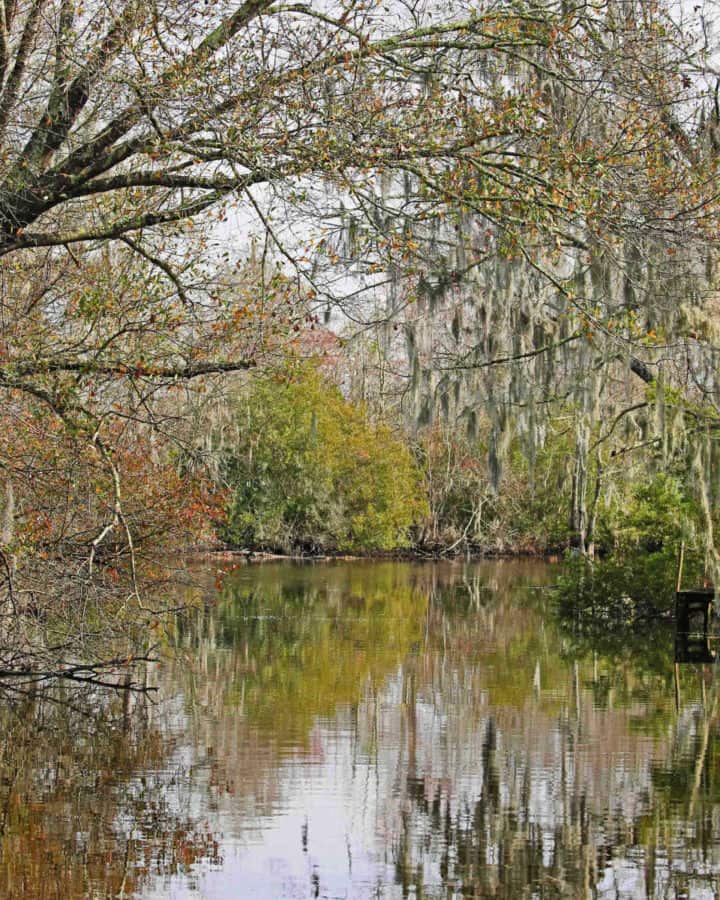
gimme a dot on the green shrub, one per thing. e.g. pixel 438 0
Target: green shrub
pixel 309 471
pixel 658 514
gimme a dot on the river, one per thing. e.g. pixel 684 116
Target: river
pixel 373 730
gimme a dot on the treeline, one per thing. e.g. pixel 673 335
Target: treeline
pixel 511 208
pixel 303 469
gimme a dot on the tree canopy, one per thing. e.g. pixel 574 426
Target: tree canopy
pixel 525 192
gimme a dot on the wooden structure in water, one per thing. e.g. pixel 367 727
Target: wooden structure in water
pixel 693 612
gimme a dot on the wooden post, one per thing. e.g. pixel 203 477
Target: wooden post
pixel 680 565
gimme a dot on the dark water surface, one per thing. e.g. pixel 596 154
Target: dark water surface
pixel 364 730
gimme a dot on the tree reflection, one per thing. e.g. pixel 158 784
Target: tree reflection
pixel 86 807
pixel 291 648
pixel 573 802
pixel 511 755
pixel 483 745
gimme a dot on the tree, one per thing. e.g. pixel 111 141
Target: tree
pixel 131 132
pixel 305 469
pixel 128 132
pixel 568 265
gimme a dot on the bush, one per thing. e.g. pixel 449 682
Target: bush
pixel 529 512
pixel 658 514
pixel 308 470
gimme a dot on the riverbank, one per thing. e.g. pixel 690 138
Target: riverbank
pixel 220 551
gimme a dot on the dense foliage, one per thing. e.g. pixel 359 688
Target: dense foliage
pixel 307 470
pixel 638 502
pixel 514 203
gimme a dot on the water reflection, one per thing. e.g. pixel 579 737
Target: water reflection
pixel 377 730
pixel 86 809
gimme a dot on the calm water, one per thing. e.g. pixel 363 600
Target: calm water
pixel 374 730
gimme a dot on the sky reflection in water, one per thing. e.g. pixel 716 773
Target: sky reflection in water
pixel 390 730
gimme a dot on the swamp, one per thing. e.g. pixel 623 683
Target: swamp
pixel 373 729
pixel 359 447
